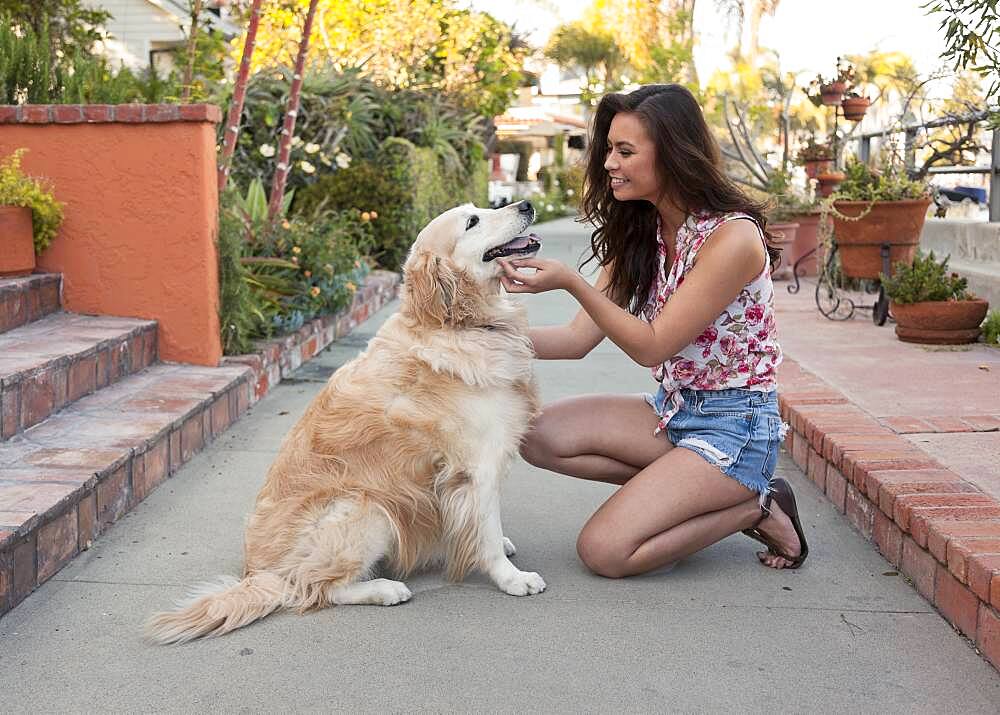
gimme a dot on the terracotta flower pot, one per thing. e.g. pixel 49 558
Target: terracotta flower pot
pixel 943 322
pixel 828 182
pixel 784 237
pixel 17 245
pixel 815 167
pixel 855 108
pixel 897 223
pixel 806 239
pixel 832 93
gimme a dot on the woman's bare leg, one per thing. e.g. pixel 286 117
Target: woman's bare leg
pixel 678 505
pixel 606 438
pixel 674 502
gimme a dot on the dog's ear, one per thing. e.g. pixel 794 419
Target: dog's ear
pixel 438 292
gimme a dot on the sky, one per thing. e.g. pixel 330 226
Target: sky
pixel 808 34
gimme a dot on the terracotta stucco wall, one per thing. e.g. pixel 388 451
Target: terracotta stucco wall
pixel 141 213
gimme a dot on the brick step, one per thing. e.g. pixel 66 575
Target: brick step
pixel 28 298
pixel 56 360
pixel 66 480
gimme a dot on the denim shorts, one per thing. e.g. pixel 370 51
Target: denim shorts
pixel 737 430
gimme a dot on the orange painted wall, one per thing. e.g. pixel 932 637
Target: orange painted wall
pixel 141 216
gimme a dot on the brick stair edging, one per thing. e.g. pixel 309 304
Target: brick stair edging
pixel 939 530
pixel 276 359
pixel 41 546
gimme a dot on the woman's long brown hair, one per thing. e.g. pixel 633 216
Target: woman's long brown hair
pixel 689 166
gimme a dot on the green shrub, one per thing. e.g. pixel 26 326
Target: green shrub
pixel 406 188
pixel 273 278
pixel 28 75
pixel 927 279
pixel 16 189
pixel 991 328
pixel 890 183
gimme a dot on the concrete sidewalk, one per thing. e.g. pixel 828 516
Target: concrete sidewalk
pixel 718 633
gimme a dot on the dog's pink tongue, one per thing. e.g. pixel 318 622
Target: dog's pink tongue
pixel 523 241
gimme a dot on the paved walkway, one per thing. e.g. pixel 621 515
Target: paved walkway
pixel 718 633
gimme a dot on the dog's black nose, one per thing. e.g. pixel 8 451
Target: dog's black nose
pixel 526 207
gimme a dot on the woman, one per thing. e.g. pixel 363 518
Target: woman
pixel 685 289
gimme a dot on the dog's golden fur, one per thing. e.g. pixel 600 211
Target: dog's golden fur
pixel 399 456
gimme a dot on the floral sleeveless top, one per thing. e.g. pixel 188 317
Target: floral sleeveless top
pixel 740 349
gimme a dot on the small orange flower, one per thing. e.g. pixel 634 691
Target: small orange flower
pixel 285 224
pixel 350 286
pixel 295 260
pixel 315 291
pixel 296 250
pixel 374 215
pixel 365 216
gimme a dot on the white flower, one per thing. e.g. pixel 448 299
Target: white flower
pixel 548 207
pixel 343 160
pixel 325 159
pixel 307 167
pixel 311 148
pixel 266 150
pixel 569 192
pixel 296 141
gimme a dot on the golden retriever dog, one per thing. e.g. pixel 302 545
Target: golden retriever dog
pixel 399 458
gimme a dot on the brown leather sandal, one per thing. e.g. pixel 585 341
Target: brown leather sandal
pixel 781 492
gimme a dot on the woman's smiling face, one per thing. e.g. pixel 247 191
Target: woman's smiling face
pixel 631 160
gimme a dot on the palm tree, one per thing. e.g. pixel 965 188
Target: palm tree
pixel 232 130
pixel 285 146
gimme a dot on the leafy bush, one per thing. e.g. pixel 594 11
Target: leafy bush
pixel 28 74
pixel 406 187
pixel 991 328
pixel 862 183
pixel 16 189
pixel 275 277
pixel 927 279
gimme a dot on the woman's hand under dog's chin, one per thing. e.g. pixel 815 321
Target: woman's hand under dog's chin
pixel 549 275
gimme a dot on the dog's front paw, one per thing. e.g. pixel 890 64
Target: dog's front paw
pixel 522 583
pixel 508 547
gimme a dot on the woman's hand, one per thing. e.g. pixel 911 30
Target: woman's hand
pixel 549 275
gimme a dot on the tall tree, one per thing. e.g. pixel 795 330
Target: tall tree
pixel 288 130
pixel 232 130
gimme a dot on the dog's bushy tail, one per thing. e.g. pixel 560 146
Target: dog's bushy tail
pixel 213 609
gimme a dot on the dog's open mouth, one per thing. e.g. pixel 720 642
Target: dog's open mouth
pixel 518 246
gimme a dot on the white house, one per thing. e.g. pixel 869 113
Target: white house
pixel 141 32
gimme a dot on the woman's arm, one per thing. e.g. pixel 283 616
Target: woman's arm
pixel 732 257
pixel 573 340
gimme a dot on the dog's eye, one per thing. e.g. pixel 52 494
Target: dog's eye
pixel 473 220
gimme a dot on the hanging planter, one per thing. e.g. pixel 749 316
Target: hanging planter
pixel 828 182
pixel 855 108
pixel 833 92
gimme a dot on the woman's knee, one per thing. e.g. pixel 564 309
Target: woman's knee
pixel 599 556
pixel 537 444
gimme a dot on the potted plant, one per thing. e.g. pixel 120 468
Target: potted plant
pixel 931 305
pixel 783 214
pixel 872 207
pixel 854 106
pixel 816 158
pixel 831 91
pixel 828 182
pixel 29 217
